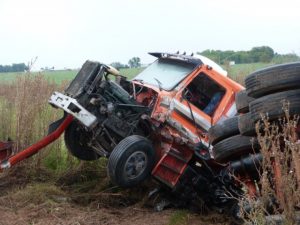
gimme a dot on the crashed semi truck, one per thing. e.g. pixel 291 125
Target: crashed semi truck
pixel 181 121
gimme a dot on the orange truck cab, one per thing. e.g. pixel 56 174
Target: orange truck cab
pixel 193 93
pixel 198 95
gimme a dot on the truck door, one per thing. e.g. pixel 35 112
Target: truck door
pixel 197 103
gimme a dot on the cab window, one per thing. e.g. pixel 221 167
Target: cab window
pixel 204 93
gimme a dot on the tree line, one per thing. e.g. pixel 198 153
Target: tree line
pixel 257 54
pixel 15 67
pixel 134 62
pixel 263 54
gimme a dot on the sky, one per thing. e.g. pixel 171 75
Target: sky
pixel 64 34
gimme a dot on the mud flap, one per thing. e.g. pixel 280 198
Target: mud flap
pixel 53 126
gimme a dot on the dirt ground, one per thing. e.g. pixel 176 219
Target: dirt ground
pixel 68 214
pixel 36 201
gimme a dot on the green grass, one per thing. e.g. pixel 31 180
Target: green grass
pixel 8 77
pixel 62 75
pixel 131 72
pixel 179 217
pixel 238 72
pixel 56 76
pixel 235 70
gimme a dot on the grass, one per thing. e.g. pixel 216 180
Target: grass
pixel 52 76
pixel 238 72
pixel 36 193
pixel 132 72
pixel 60 76
pixel 179 217
pixel 25 116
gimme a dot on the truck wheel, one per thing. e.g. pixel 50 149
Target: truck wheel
pixel 223 129
pixel 273 79
pixel 272 105
pixel 242 101
pixel 76 139
pixel 246 124
pixel 131 161
pixel 233 147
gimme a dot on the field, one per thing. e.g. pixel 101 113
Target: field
pixel 236 72
pixel 55 188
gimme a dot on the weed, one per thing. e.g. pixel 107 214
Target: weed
pixel 280 176
pixel 25 116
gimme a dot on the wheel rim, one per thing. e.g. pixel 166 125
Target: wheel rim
pixel 135 165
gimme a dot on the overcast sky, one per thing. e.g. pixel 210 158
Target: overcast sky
pixel 66 33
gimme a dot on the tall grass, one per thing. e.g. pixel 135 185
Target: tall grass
pixel 280 175
pixel 25 116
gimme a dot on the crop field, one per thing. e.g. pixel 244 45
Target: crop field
pixel 59 76
pixel 236 72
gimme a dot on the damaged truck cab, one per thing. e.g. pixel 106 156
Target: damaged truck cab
pixel 193 93
pixel 163 122
pixel 155 124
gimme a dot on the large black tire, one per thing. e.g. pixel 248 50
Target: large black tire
pixel 223 129
pixel 246 124
pixel 76 139
pixel 233 147
pixel 131 161
pixel 242 101
pixel 272 105
pixel 273 79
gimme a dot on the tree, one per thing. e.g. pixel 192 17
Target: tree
pixel 262 54
pixel 134 62
pixel 15 67
pixel 256 54
pixel 118 65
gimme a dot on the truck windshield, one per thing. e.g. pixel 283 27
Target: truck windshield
pixel 165 73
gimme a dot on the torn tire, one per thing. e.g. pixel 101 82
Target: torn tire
pixel 223 129
pixel 76 140
pixel 131 161
pixel 233 147
pixel 272 105
pixel 273 79
pixel 242 101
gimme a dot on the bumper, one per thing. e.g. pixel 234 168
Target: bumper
pixel 71 106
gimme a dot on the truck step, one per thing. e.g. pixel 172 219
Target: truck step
pixel 171 166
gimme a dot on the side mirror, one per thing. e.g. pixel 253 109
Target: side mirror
pixel 187 94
